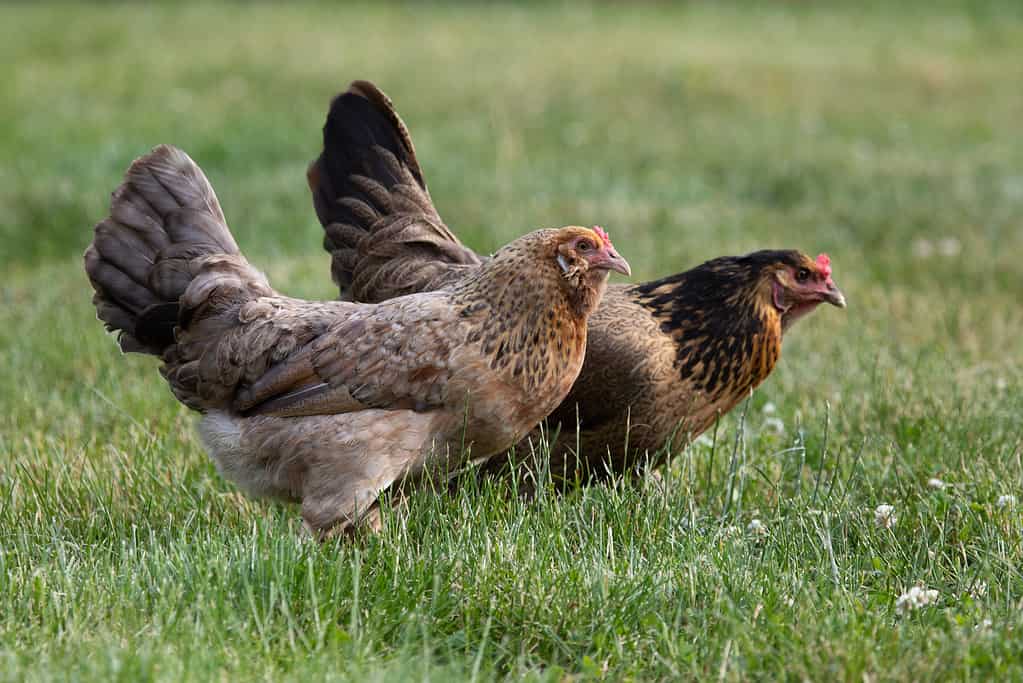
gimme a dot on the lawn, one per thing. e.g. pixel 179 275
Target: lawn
pixel 889 135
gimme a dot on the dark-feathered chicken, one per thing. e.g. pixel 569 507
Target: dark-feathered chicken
pixel 665 358
pixel 330 403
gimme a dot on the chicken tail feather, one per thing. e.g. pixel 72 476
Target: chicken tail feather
pixel 165 238
pixel 383 233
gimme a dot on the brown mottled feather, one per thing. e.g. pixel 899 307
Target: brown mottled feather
pixel 330 403
pixel 646 387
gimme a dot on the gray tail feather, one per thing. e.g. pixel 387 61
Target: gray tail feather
pixel 164 221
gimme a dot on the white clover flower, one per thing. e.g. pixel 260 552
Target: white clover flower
pixel 949 246
pixel 757 528
pixel 979 590
pixel 1006 501
pixel 915 598
pixel 923 248
pixel 935 483
pixel 884 516
pixel 769 408
pixel 774 425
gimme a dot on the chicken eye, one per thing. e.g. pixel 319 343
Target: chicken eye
pixel 583 245
pixel 802 275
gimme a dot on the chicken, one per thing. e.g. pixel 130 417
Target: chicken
pixel 331 403
pixel 665 358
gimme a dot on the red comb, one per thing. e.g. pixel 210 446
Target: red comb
pixel 824 263
pixel 602 234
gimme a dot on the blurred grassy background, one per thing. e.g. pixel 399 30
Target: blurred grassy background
pixel 887 134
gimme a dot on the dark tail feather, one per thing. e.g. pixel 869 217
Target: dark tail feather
pixel 363 136
pixel 367 180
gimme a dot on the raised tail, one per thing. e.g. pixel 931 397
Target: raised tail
pixel 384 235
pixel 164 259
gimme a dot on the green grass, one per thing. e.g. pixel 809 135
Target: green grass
pixel 890 135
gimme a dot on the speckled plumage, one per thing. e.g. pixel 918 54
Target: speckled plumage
pixel 664 358
pixel 330 403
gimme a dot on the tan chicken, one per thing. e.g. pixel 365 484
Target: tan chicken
pixel 665 358
pixel 331 403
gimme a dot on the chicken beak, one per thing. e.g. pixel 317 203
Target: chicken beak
pixel 617 263
pixel 833 295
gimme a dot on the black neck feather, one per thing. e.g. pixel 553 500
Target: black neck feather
pixel 715 318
